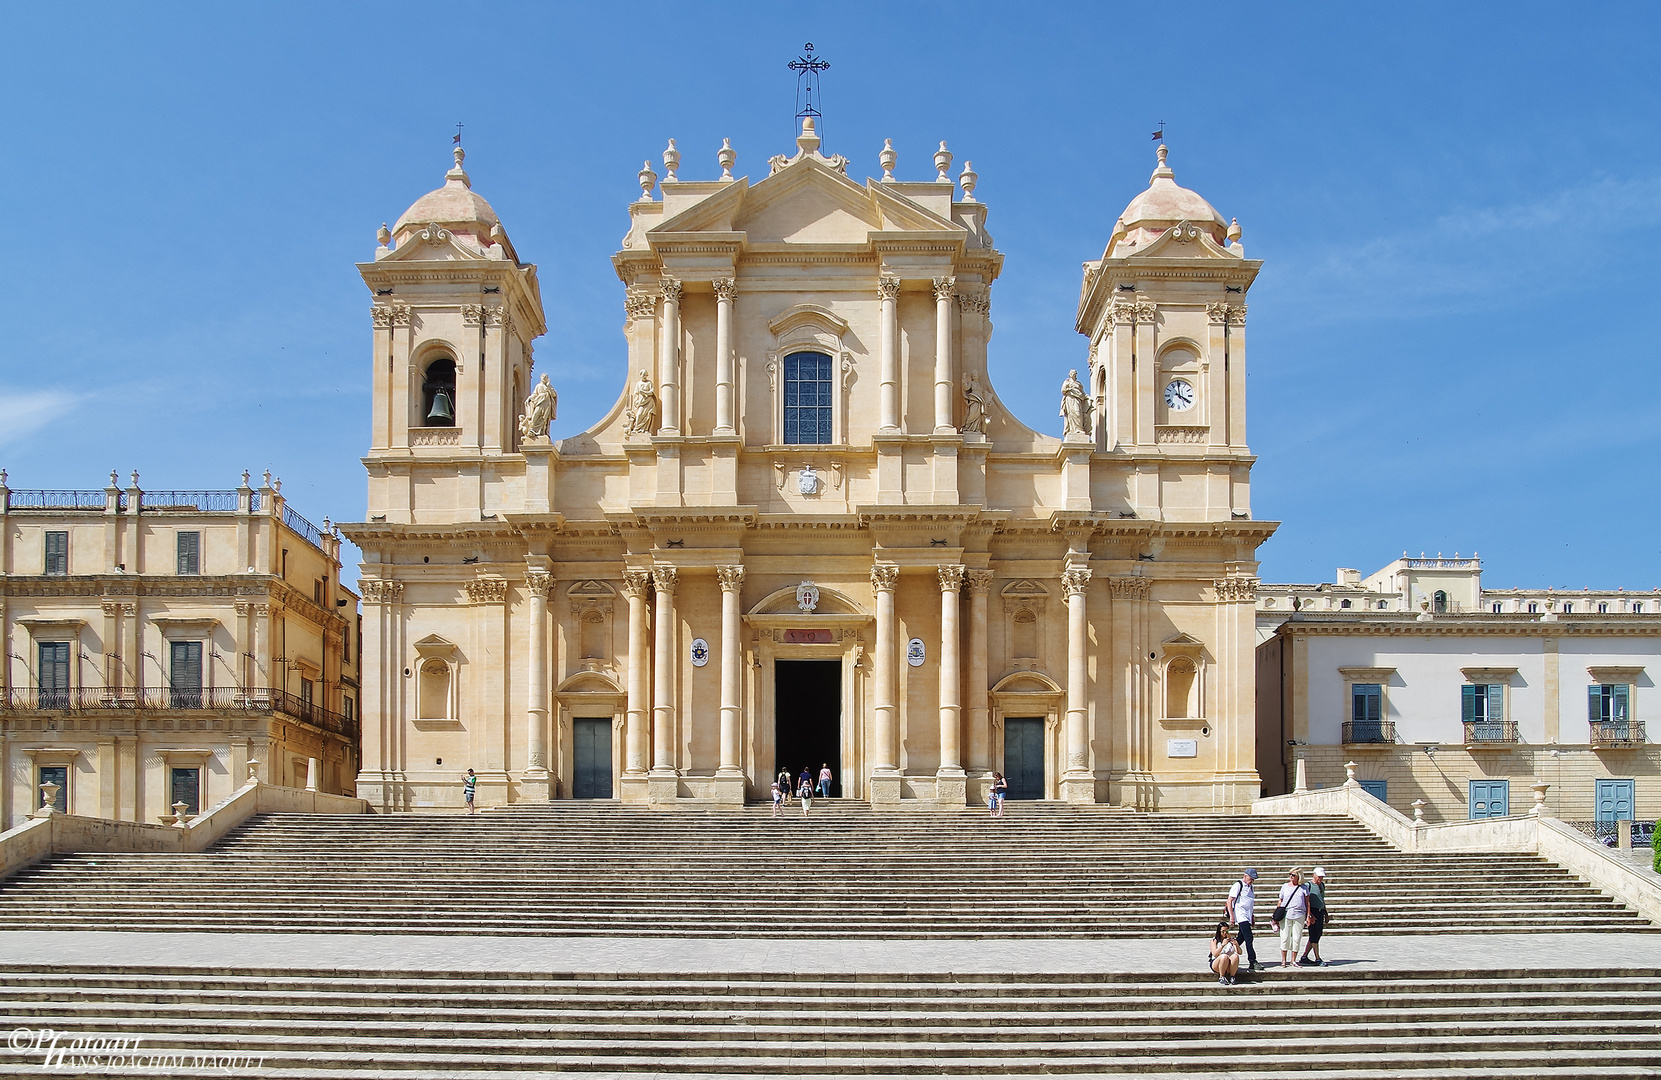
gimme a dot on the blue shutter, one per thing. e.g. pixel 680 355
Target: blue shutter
pixel 1496 702
pixel 1467 703
pixel 1621 693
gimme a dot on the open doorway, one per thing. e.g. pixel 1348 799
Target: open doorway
pixel 807 723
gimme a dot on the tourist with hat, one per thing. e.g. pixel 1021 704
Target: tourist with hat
pixel 1239 909
pixel 1317 918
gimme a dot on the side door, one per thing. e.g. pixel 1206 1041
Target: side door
pixel 1490 798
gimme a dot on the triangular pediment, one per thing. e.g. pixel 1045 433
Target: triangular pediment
pixel 1024 587
pixel 1184 240
pixel 804 202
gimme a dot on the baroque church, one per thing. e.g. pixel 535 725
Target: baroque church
pixel 808 533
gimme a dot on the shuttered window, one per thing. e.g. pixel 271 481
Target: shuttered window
pixel 1482 702
pixel 190 553
pixel 54 674
pixel 185 674
pixel 1367 703
pixel 57 554
pixel 1607 701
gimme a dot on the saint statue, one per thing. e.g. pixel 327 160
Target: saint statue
pixel 974 406
pixel 1075 408
pixel 539 410
pixel 642 412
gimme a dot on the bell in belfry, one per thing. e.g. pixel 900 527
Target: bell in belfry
pixel 441 413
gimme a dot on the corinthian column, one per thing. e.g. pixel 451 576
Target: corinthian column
pixel 669 370
pixel 888 291
pixel 635 584
pixel 1077 785
pixel 944 287
pixel 951 673
pixel 980 733
pixel 884 576
pixel 663 680
pixel 726 291
pixel 537 583
pixel 732 580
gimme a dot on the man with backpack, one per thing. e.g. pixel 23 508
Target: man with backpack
pixel 1239 908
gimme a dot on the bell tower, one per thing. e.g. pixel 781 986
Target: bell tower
pixel 454 315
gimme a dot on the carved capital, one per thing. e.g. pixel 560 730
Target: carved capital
pixel 381 316
pixel 944 288
pixel 1237 315
pixel 884 576
pixel 1122 312
pixel 951 577
pixel 495 316
pixel 1236 588
pixel 1129 588
pixel 671 290
pixel 663 576
pixel 635 582
pixel 1216 313
pixel 400 315
pixel 732 577
pixel 538 582
pixel 980 581
pixel 888 287
pixel 1146 310
pixel 1075 580
pixel 487 591
pixel 375 592
pixel 472 314
pixel 974 302
pixel 640 304
pixel 726 289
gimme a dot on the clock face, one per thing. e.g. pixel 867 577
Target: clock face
pixel 1179 395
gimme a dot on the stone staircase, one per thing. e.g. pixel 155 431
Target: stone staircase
pixel 1316 1025
pixel 1044 871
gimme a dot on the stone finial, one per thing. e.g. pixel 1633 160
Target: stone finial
pixel 808 141
pixel 48 800
pixel 1539 808
pixel 267 481
pixel 1164 170
pixel 648 181
pixel 115 481
pixel 244 477
pixel 459 173
pixel 969 178
pixel 671 162
pixel 181 816
pixel 1349 775
pixel 253 771
pixel 383 235
pixel 726 157
pixel 1419 811
pixel 887 160
pixel 135 478
pixel 942 162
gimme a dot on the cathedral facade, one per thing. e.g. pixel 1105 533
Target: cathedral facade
pixel 808 534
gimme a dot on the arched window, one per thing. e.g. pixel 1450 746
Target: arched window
pixel 1383 604
pixel 1533 608
pixel 1343 603
pixel 1440 601
pixel 438 394
pixel 809 398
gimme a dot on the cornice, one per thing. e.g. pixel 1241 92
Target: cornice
pixel 1407 624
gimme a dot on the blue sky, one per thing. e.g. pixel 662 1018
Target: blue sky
pixel 1452 343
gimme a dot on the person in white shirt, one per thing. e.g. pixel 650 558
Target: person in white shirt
pixel 1294 920
pixel 1240 907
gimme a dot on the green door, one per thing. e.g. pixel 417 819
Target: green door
pixel 1024 757
pixel 592 767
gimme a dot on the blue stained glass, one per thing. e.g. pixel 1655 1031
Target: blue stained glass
pixel 808 403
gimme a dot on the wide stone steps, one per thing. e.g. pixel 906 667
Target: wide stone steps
pixel 1319 1025
pixel 619 871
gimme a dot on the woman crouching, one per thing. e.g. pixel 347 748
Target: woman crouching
pixel 1225 954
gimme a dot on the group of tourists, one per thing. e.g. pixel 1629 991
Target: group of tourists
pixel 805 787
pixel 1299 917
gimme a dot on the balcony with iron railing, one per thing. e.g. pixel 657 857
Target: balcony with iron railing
pixel 1483 733
pixel 94 701
pixel 224 501
pixel 1369 732
pixel 1618 733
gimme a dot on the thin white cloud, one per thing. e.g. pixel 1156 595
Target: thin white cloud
pixel 23 413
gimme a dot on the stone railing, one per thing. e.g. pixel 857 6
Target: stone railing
pixel 51 833
pixel 1536 832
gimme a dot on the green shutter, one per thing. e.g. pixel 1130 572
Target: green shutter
pixel 1496 701
pixel 1621 692
pixel 1467 703
pixel 1594 703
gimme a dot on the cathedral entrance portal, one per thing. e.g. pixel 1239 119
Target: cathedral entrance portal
pixel 807 724
pixel 591 764
pixel 1024 757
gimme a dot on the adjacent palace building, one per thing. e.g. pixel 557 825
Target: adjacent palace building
pixel 808 533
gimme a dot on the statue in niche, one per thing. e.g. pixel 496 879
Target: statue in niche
pixel 539 410
pixel 1075 408
pixel 642 411
pixel 974 406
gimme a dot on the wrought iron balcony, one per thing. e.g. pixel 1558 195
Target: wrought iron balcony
pixel 1369 732
pixel 93 701
pixel 1490 732
pixel 1618 733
